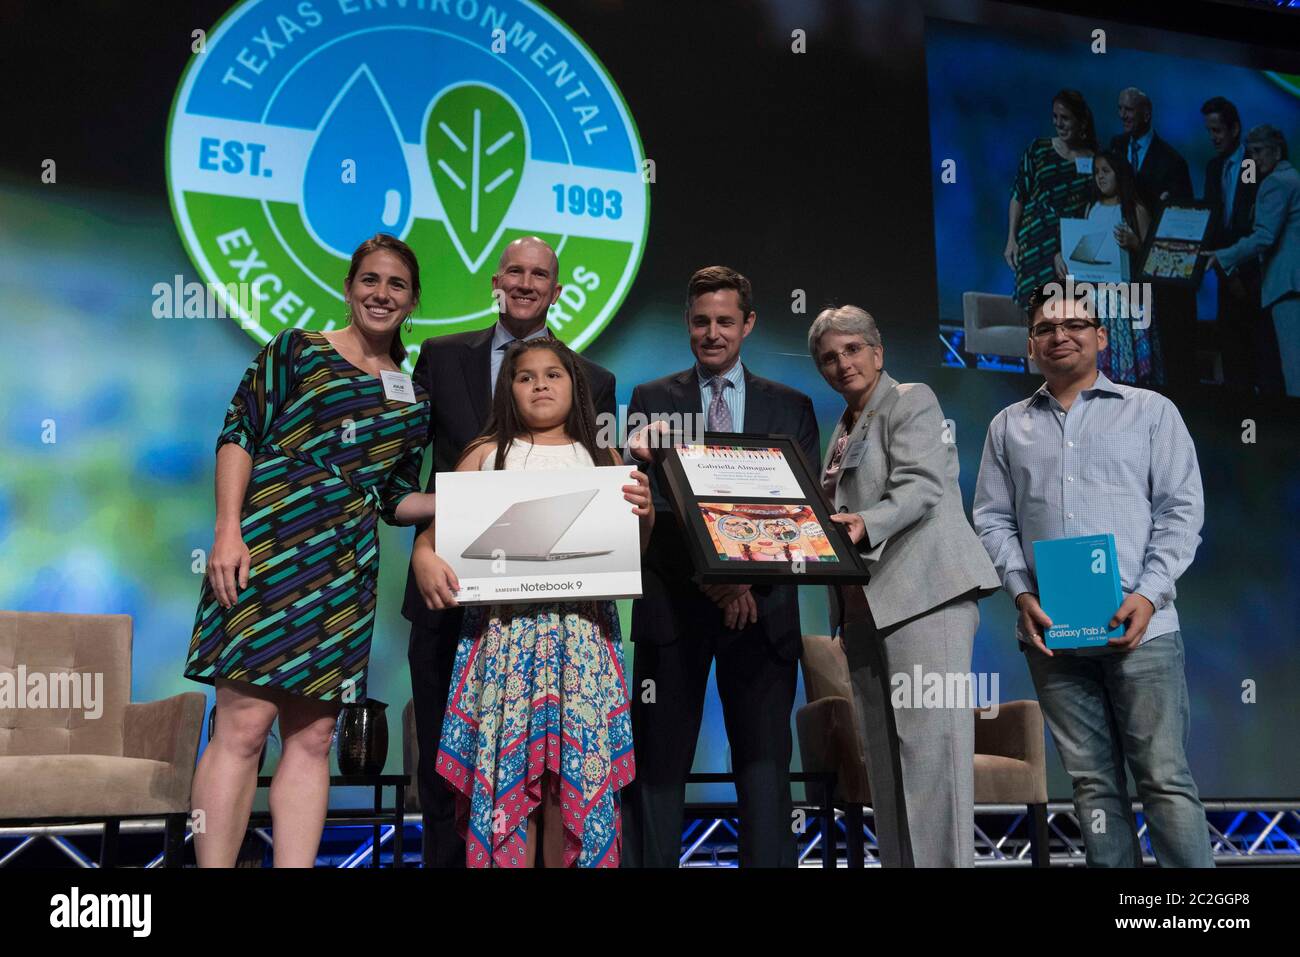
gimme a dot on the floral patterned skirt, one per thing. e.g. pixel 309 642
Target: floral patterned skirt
pixel 1132 356
pixel 538 689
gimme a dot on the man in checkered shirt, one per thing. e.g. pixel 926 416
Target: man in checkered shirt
pixel 1085 456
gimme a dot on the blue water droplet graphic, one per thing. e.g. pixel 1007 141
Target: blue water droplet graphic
pixel 358 126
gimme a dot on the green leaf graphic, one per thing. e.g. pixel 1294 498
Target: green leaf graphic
pixel 476 146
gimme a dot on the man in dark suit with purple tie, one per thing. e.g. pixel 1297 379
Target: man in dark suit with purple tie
pixel 459 372
pixel 681 629
pixel 1247 341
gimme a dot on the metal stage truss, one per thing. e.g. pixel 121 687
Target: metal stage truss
pixel 1242 833
pixel 1250 833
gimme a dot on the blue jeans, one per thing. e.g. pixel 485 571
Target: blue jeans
pixel 1107 708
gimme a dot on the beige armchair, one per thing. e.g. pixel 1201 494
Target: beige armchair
pixel 1010 763
pixel 995 325
pixel 73 747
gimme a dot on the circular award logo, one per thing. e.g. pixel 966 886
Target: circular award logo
pixel 303 128
pixel 1287 81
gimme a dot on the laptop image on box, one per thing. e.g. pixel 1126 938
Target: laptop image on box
pixel 1088 250
pixel 527 531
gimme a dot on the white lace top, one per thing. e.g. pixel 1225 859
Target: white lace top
pixel 526 456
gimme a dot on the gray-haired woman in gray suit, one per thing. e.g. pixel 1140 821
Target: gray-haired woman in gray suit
pixel 891 472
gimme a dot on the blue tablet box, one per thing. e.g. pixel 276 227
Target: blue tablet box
pixel 1078 587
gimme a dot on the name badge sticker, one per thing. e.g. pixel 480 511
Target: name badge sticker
pixel 397 386
pixel 854 454
pixel 1083 164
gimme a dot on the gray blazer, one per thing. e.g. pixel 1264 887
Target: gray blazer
pixel 923 552
pixel 1276 236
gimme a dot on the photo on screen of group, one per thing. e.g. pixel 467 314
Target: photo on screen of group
pixel 1137 180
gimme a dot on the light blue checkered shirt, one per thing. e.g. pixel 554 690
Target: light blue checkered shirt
pixel 501 339
pixel 733 395
pixel 1120 461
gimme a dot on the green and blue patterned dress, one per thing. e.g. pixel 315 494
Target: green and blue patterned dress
pixel 331 455
pixel 1049 187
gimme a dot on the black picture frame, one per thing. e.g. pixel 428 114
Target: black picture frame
pixel 1192 249
pixel 703 542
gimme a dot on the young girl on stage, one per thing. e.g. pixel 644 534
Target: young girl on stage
pixel 1133 354
pixel 537 737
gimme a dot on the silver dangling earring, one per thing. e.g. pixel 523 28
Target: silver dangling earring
pixel 347 314
pixel 408 325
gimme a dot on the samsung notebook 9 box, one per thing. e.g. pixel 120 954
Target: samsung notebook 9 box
pixel 528 536
pixel 1078 587
pixel 1092 254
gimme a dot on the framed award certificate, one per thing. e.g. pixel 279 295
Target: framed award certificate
pixel 1173 253
pixel 751 512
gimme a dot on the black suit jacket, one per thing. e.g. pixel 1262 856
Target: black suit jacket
pixel 672 606
pixel 1243 206
pixel 454 370
pixel 1163 171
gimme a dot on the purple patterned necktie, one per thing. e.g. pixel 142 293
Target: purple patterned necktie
pixel 719 414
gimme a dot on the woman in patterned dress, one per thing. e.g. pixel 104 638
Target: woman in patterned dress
pixel 537 738
pixel 323 437
pixel 1052 182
